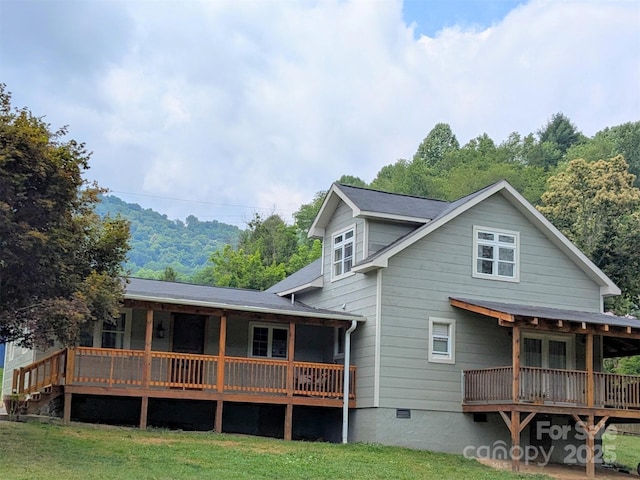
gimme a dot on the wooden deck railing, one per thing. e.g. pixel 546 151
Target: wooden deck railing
pixel 125 369
pixel 550 386
pixel 47 371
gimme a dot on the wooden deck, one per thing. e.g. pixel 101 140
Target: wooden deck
pixel 550 388
pixel 104 371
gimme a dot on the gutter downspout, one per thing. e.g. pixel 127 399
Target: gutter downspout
pixel 345 388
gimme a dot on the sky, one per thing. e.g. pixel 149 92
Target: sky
pixel 224 109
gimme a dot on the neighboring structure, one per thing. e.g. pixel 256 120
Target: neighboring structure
pixel 484 330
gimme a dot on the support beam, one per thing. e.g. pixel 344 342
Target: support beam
pixel 590 377
pixel 144 407
pixel 222 348
pixel 218 426
pixel 148 338
pixel 66 416
pixel 515 361
pixel 591 437
pixel 515 441
pixel 291 348
pixel 288 422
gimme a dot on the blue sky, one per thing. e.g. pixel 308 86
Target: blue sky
pixel 431 16
pixel 226 108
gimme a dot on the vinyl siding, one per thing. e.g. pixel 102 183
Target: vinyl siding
pixel 357 294
pixel 417 285
pixel 381 234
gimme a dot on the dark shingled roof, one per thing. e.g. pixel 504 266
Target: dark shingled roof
pixel 226 298
pixel 304 276
pixel 554 313
pixel 393 203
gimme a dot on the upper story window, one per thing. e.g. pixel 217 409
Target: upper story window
pixel 343 251
pixel 496 254
pixel 270 341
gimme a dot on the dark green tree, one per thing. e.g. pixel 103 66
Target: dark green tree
pixel 60 263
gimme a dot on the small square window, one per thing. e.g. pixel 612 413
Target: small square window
pixel 343 252
pixel 441 340
pixel 268 341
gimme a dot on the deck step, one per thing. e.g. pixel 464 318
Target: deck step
pixel 35 396
pixel 47 389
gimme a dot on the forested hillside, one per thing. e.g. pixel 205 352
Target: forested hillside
pixel 157 242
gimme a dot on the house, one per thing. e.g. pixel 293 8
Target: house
pixel 468 327
pixel 485 331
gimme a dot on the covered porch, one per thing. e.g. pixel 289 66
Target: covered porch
pixel 193 343
pixel 589 397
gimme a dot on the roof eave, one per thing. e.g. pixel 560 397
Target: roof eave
pixel 312 285
pixel 242 308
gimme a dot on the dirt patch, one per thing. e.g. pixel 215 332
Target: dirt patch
pixel 560 472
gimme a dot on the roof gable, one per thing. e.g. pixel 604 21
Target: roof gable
pixel 368 203
pixel 380 259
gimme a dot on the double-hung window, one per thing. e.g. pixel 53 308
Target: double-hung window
pixel 114 334
pixel 496 254
pixel 268 341
pixel 442 333
pixel 343 252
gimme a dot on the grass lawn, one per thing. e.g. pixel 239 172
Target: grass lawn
pixel 87 452
pixel 623 450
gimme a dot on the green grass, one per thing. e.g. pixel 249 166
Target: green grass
pixel 623 450
pixel 86 452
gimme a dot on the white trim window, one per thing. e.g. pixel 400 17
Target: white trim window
pixel 442 337
pixel 114 335
pixel 496 254
pixel 268 341
pixel 343 252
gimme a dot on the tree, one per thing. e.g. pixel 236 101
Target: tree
pixel 60 264
pixel 439 142
pixel 560 132
pixel 597 207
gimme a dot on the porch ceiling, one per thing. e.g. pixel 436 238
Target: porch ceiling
pixel 621 334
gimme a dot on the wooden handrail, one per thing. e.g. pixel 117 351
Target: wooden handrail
pixel 551 386
pixel 123 368
pixel 39 374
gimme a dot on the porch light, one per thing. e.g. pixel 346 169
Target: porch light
pixel 160 330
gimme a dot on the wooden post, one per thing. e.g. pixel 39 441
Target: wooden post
pixel 290 355
pixel 222 348
pixel 288 422
pixel 69 375
pixel 148 338
pixel 15 380
pixel 515 440
pixel 591 434
pixel 515 362
pixel 143 413
pixel 589 362
pixel 219 405
pixel 21 378
pixel 66 416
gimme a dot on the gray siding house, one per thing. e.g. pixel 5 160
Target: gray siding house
pixel 469 327
pixel 484 326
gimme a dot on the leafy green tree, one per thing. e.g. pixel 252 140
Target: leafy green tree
pixel 439 142
pixel 237 269
pixel 351 180
pixel 169 275
pixel 60 263
pixel 306 214
pixel 597 207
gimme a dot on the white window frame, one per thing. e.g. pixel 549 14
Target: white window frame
pixel 496 244
pixel 569 339
pixel 126 341
pixel 450 355
pixel 271 327
pixel 341 246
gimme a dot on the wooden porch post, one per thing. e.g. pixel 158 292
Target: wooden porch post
pixel 515 362
pixel 589 362
pixel 591 465
pixel 70 366
pixel 143 412
pixel 66 416
pixel 515 441
pixel 148 337
pixel 222 348
pixel 288 418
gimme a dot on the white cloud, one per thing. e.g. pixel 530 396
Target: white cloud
pixel 264 103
